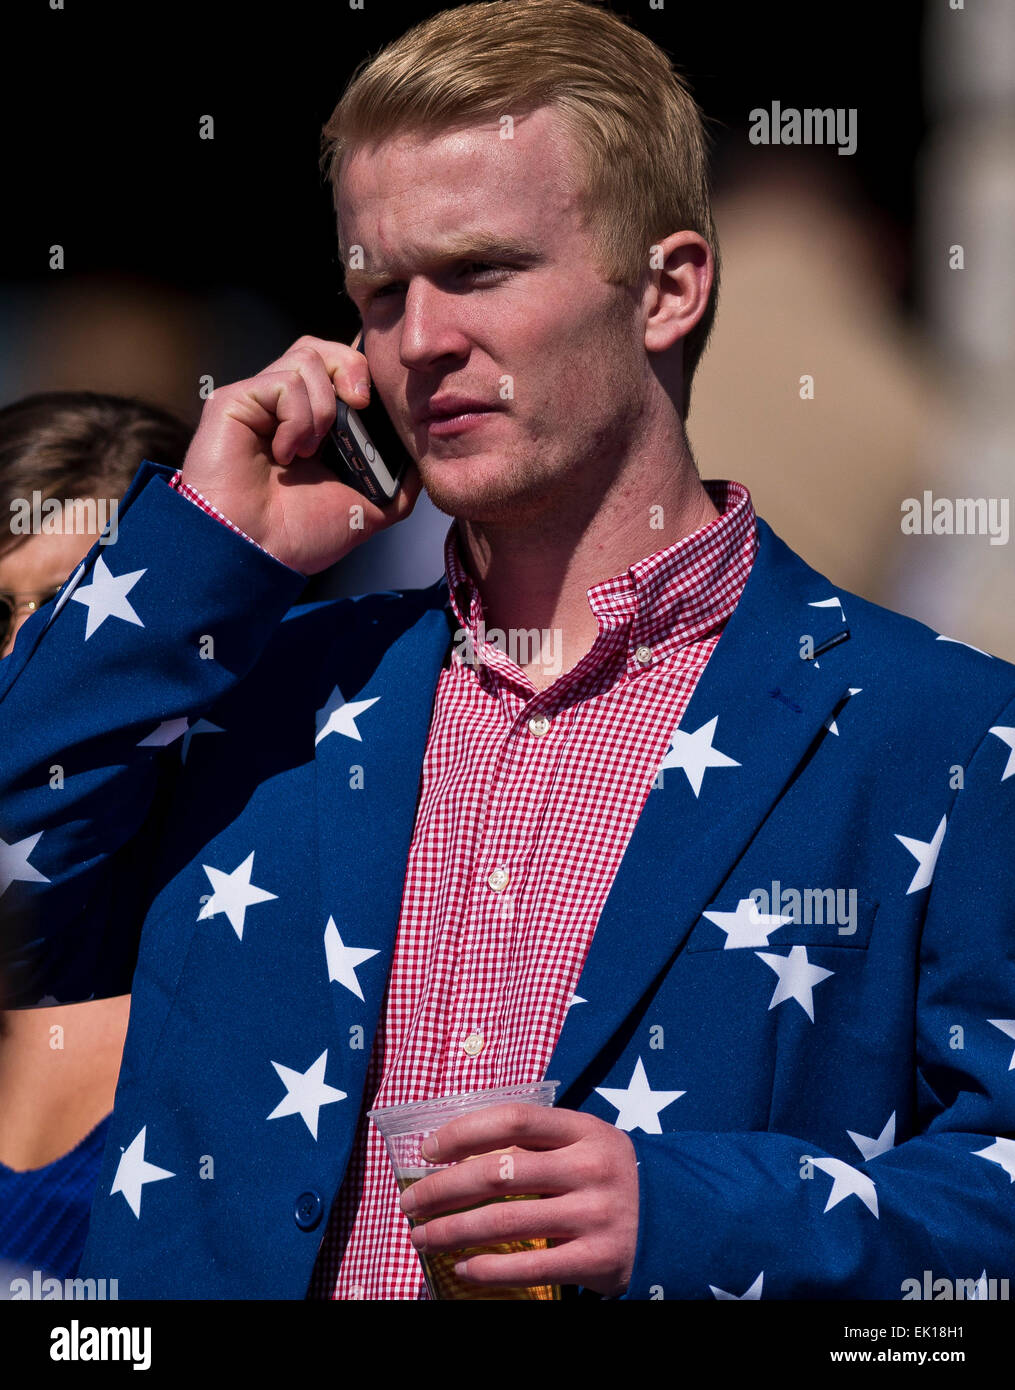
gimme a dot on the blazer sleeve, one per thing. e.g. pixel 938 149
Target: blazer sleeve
pixel 159 621
pixel 943 1200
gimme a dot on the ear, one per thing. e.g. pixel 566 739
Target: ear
pixel 681 270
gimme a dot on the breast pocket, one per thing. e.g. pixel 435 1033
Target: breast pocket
pixel 784 916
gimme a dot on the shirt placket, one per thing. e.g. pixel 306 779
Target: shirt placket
pixel 494 912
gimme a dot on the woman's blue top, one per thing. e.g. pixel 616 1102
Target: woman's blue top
pixel 44 1212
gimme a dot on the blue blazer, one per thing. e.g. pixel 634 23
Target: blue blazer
pixel 819 1088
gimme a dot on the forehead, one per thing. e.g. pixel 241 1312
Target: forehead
pixel 405 193
pixel 44 560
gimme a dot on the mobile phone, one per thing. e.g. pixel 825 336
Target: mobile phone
pixel 364 450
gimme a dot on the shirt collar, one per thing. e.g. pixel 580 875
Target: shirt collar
pixel 665 600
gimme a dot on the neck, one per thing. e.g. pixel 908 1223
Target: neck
pixel 536 574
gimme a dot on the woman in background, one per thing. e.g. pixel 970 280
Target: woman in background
pixel 59 1064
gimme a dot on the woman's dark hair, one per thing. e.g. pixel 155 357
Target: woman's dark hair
pixel 80 444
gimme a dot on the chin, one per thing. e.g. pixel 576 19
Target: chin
pixel 464 476
pixel 488 507
pixel 489 487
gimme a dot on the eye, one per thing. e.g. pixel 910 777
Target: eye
pixel 477 268
pixel 470 270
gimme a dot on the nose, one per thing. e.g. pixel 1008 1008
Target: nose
pixel 431 326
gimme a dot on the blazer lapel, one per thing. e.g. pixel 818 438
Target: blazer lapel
pixel 769 706
pixel 368 788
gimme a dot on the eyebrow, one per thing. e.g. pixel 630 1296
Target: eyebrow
pixel 472 246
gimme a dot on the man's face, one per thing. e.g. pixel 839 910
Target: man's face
pixel 489 290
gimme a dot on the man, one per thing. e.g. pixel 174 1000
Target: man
pixel 384 873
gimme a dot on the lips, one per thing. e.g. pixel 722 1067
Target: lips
pixel 448 406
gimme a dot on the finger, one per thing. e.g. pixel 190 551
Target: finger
pixel 332 369
pixel 501 1223
pixel 487 1177
pixel 284 395
pixel 571 1263
pixel 496 1126
pixel 320 387
pixel 267 402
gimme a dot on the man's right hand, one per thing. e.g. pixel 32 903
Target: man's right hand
pixel 255 457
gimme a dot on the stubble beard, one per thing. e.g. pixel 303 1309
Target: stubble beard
pixel 511 486
pixel 535 485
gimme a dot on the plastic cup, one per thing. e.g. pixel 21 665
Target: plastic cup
pixel 404 1127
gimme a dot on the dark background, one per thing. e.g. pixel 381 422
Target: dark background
pixel 103 131
pixel 192 261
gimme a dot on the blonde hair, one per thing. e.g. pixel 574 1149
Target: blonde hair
pixel 639 133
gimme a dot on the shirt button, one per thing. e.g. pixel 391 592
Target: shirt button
pixel 538 725
pixel 643 655
pixel 473 1045
pixel 308 1210
pixel 500 878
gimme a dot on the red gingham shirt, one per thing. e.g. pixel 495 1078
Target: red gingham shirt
pixel 508 873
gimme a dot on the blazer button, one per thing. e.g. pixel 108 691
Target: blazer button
pixel 308 1210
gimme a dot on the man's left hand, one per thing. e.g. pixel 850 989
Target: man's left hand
pixel 584 1171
